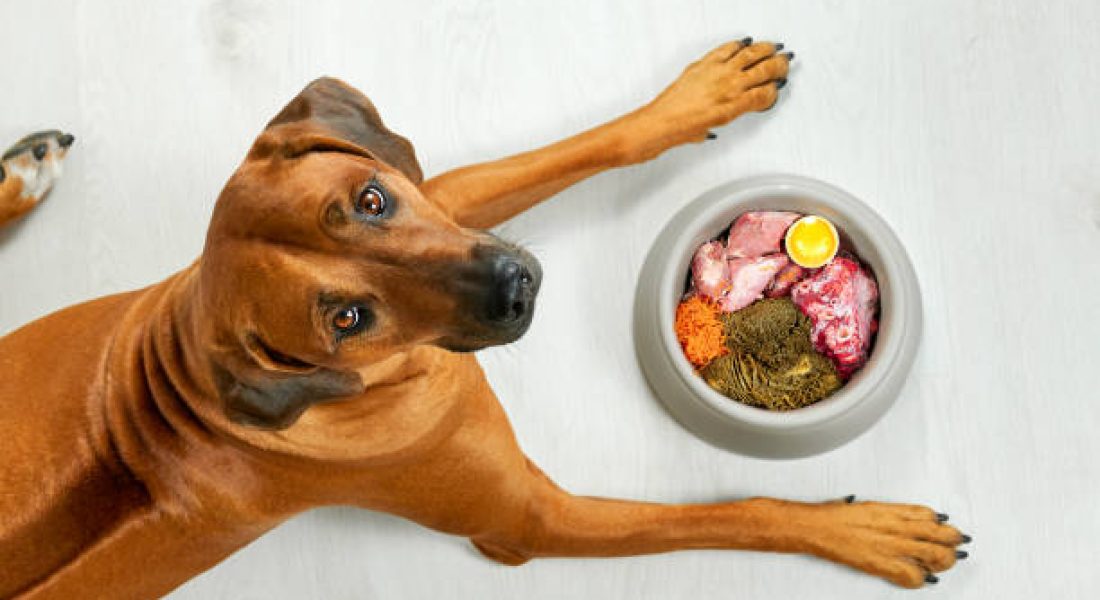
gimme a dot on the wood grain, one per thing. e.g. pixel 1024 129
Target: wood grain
pixel 971 127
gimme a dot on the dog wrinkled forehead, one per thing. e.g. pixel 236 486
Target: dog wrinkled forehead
pixel 329 110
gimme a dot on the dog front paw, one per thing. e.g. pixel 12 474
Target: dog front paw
pixel 29 169
pixel 735 78
pixel 902 543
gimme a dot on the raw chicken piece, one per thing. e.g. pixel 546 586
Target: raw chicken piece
pixel 710 274
pixel 785 280
pixel 749 277
pixel 758 233
pixel 840 299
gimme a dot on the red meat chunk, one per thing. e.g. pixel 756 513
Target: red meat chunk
pixel 841 300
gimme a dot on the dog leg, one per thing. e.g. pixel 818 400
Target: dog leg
pixel 733 79
pixel 902 543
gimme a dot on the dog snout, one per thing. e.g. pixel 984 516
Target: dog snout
pixel 514 288
pixel 509 281
pixel 497 288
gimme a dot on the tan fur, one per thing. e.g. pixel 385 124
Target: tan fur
pixel 12 203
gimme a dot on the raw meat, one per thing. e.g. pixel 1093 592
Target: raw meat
pixel 769 360
pixel 840 299
pixel 749 277
pixel 785 280
pixel 710 274
pixel 758 233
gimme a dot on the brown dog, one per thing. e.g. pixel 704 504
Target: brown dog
pixel 318 353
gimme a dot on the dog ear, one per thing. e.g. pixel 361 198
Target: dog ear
pixel 267 400
pixel 330 115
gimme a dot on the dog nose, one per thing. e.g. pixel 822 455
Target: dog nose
pixel 66 140
pixel 514 287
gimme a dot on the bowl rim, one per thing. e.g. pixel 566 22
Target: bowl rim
pixel 889 344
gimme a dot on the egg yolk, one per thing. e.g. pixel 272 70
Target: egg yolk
pixel 812 242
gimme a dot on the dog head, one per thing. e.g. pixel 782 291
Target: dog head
pixel 323 258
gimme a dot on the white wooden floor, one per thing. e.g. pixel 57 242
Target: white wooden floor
pixel 972 127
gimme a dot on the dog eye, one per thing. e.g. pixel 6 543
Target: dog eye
pixel 350 320
pixel 372 201
pixel 346 319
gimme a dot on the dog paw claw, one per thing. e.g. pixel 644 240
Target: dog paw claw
pixel 735 78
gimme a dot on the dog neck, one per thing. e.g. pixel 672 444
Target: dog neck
pixel 166 458
pixel 162 387
pixel 159 406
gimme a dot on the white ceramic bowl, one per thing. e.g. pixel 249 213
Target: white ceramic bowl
pixel 753 431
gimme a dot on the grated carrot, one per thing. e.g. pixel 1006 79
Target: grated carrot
pixel 700 331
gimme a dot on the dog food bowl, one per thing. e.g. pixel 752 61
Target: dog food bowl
pixel 726 423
